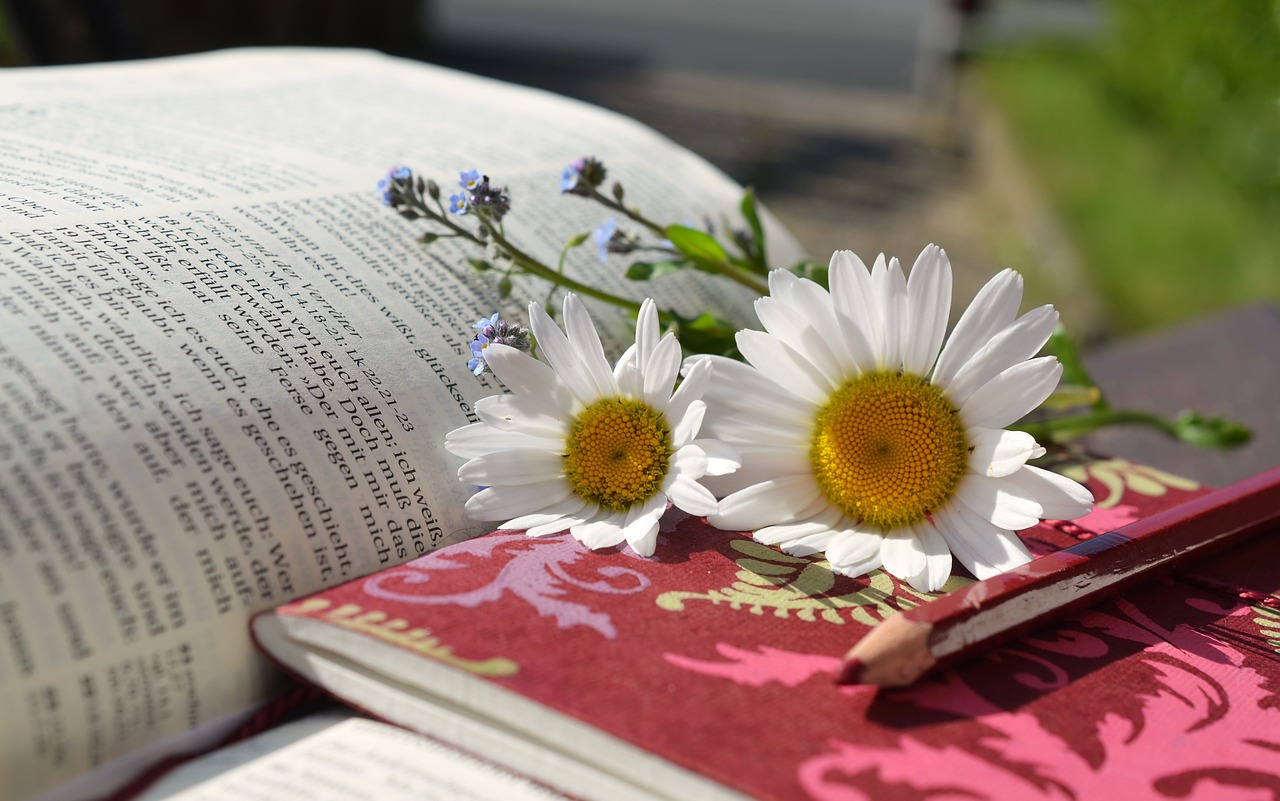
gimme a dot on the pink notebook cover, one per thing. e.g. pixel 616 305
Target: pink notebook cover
pixel 719 655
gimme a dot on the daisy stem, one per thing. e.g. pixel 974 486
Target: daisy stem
pixel 1061 429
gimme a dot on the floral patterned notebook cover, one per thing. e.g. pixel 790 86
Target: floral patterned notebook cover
pixel 719 654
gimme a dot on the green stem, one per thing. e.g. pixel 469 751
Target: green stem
pixel 531 265
pixel 737 275
pixel 1061 429
pixel 632 214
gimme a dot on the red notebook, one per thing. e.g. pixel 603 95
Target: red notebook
pixel 708 671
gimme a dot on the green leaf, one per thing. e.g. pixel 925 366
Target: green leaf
pixel 479 265
pixel 696 245
pixel 709 334
pixel 644 270
pixel 1063 345
pixel 1072 396
pixel 1210 432
pixel 752 216
pixel 578 239
pixel 504 287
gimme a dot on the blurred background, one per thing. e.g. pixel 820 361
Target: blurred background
pixel 1124 155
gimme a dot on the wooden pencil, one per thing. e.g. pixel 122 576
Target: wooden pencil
pixel 960 624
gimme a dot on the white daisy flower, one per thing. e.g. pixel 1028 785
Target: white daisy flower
pixel 581 447
pixel 863 437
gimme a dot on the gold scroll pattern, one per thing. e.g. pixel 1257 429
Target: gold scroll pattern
pixel 1119 475
pixel 788 585
pixel 399 632
pixel 1269 619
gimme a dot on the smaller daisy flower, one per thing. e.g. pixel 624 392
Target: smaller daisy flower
pixel 491 330
pixel 581 447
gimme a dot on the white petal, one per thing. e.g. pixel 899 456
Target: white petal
pixel 740 385
pixel 660 374
pixel 929 303
pixel 478 439
pixel 584 339
pixel 689 461
pixel 783 365
pixel 902 554
pixel 687 427
pixel 527 377
pixel 983 548
pixel 854 552
pixel 563 512
pixel 722 458
pixel 629 378
pixel 690 496
pixel 759 465
pixel 555 349
pixel 794 327
pixel 504 503
pixel 589 511
pixel 992 309
pixel 784 533
pixel 1014 393
pixel 891 294
pixel 809 544
pixel 696 380
pixel 1059 497
pixel 521 413
pixel 1016 343
pixel 603 533
pixel 932 562
pixel 998 501
pixel 647 333
pixel 854 301
pixel 641 528
pixel 996 452
pixel 818 304
pixel 512 467
pixel 779 500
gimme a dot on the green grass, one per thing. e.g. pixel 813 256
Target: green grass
pixel 1165 232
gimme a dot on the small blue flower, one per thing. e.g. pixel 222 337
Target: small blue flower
pixel 458 203
pixel 604 235
pixel 569 178
pixel 387 186
pixel 469 180
pixel 476 363
pixel 582 177
pixel 494 329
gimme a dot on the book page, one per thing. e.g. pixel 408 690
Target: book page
pixel 338 757
pixel 226 370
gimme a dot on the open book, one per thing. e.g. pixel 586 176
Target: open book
pixel 226 371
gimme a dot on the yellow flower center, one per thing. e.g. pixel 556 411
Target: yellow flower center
pixel 617 453
pixel 888 449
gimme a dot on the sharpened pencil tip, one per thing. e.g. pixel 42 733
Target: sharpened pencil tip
pixel 850 672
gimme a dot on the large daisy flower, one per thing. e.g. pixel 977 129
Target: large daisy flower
pixel 579 446
pixel 862 436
